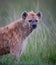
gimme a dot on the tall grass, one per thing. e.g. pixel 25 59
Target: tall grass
pixel 41 45
pixel 41 48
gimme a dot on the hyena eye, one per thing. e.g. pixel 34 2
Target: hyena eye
pixel 30 20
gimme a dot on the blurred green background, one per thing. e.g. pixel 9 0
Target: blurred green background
pixel 41 47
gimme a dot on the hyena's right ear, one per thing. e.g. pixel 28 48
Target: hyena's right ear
pixel 24 15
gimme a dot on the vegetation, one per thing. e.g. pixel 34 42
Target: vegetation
pixel 41 47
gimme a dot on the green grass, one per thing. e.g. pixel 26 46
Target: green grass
pixel 40 50
pixel 41 47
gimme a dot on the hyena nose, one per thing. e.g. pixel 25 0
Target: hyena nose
pixel 34 25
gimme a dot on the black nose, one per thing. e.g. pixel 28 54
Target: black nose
pixel 34 26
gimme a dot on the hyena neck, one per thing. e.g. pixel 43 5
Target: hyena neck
pixel 25 30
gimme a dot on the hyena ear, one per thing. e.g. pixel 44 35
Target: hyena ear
pixel 24 15
pixel 39 14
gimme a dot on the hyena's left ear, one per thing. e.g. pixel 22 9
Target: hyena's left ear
pixel 24 15
pixel 39 14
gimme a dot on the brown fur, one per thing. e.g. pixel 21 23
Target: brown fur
pixel 13 35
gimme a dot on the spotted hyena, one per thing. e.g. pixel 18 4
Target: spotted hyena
pixel 13 35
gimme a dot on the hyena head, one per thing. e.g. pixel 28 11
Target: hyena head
pixel 31 19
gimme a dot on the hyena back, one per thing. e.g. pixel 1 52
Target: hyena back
pixel 13 35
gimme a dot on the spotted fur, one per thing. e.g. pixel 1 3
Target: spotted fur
pixel 13 35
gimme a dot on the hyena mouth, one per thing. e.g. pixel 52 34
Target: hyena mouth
pixel 33 27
